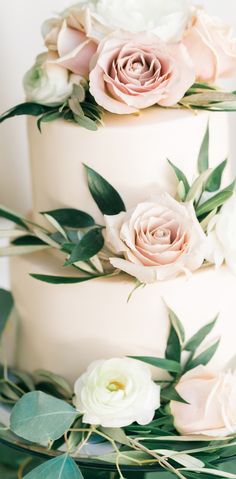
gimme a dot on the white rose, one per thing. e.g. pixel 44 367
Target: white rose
pixel 116 393
pixel 167 19
pixel 221 245
pixel 211 403
pixel 158 240
pixel 47 83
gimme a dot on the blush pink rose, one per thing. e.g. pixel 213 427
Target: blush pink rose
pixel 74 49
pixel 132 72
pixel 211 47
pixel 211 410
pixel 158 239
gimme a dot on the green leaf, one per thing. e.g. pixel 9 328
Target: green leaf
pixel 71 218
pixel 62 467
pixel 203 358
pixel 12 216
pixel 166 364
pixel 212 472
pixel 117 434
pixel 170 394
pixel 27 240
pixel 86 122
pixel 6 305
pixel 203 158
pixel 181 176
pixel 91 243
pixel 48 117
pixel 214 181
pixel 41 418
pixel 62 279
pixel 56 380
pixel 176 338
pixel 108 200
pixel 19 250
pixel 199 337
pixel 28 108
pixel 216 201
pixel 198 186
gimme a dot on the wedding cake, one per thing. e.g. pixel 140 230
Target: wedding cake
pixel 133 220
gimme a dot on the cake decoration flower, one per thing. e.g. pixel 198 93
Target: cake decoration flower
pixel 210 408
pixel 221 236
pixel 116 393
pixel 158 239
pixel 135 72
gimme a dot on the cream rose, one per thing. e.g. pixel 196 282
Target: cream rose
pixel 135 72
pixel 116 393
pixel 211 410
pixel 48 83
pixel 73 47
pixel 159 239
pixel 212 47
pixel 167 20
pixel 221 244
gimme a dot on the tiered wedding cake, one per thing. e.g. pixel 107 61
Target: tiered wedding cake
pixel 130 242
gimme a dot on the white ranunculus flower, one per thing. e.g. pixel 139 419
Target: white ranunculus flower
pixel 116 393
pixel 167 19
pixel 158 239
pixel 46 82
pixel 221 236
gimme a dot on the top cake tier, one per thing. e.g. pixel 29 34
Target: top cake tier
pixel 130 152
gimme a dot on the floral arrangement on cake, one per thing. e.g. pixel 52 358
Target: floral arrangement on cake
pixel 155 240
pixel 184 424
pixel 101 56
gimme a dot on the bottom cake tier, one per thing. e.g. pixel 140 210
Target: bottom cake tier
pixel 63 328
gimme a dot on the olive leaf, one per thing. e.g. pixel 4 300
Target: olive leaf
pixel 71 218
pixel 6 305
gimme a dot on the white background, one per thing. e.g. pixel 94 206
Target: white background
pixel 20 42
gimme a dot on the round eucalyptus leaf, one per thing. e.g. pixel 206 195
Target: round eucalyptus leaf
pixel 41 418
pixel 62 467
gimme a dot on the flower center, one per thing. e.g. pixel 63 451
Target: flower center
pixel 114 386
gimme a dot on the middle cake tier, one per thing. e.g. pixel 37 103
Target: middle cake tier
pixel 63 328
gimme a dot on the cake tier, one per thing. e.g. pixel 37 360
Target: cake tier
pixel 64 328
pixel 130 152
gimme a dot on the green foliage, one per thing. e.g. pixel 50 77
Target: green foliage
pixel 6 305
pixel 196 340
pixel 62 467
pixel 71 218
pixel 166 364
pixel 106 197
pixel 41 418
pixel 203 358
pixel 176 338
pixel 28 108
pixel 12 216
pixel 203 158
pixel 89 246
pixel 216 201
pixel 214 181
pixel 181 177
pixel 62 279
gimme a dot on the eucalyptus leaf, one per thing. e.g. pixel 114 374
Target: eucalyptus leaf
pixel 91 243
pixel 19 250
pixel 205 357
pixel 106 197
pixel 86 122
pixel 176 338
pixel 196 340
pixel 28 240
pixel 62 279
pixel 203 158
pixel 6 305
pixel 12 216
pixel 198 186
pixel 170 394
pixel 62 467
pixel 57 380
pixel 216 201
pixel 75 106
pixel 28 108
pixel 181 176
pixel 40 418
pixel 71 218
pixel 166 364
pixel 214 181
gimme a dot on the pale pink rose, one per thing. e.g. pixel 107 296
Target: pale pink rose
pixel 132 72
pixel 74 49
pixel 211 47
pixel 158 239
pixel 211 410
